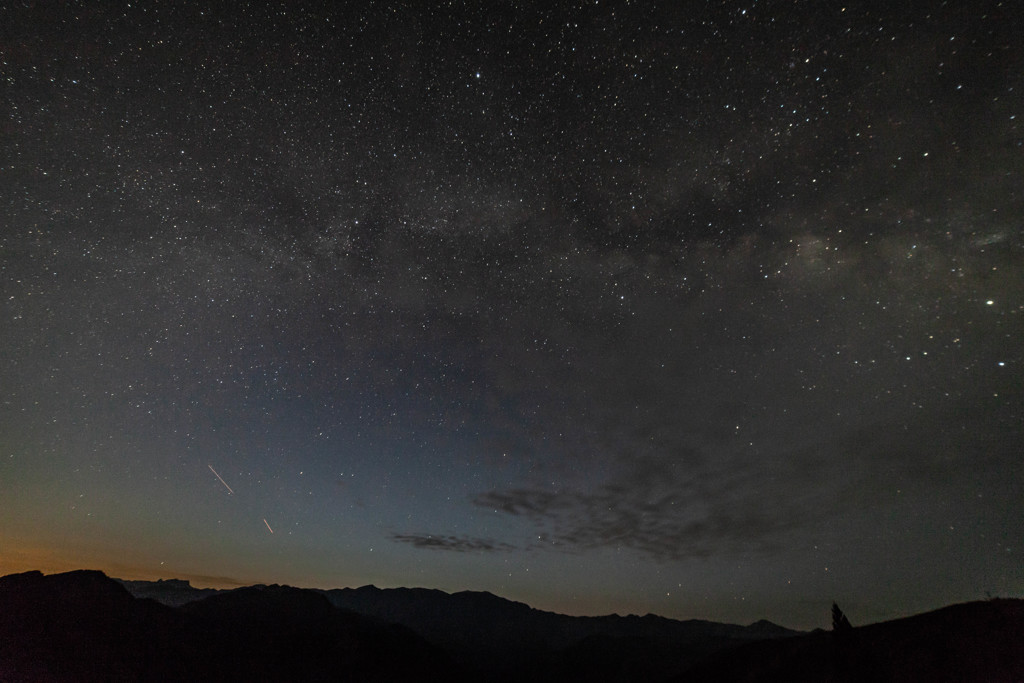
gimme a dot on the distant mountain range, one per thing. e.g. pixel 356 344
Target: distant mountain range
pixel 510 641
pixel 84 626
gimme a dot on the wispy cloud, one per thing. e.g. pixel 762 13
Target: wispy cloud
pixel 669 502
pixel 459 544
pixel 662 527
pixel 669 507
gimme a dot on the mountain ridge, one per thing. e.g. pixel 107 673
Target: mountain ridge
pixel 972 641
pixel 85 626
pixel 163 590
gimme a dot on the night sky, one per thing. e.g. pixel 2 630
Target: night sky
pixel 706 309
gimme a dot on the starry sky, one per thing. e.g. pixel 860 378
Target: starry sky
pixel 706 309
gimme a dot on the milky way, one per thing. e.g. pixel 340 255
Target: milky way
pixel 707 310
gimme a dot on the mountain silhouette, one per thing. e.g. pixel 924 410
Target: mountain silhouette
pixel 496 635
pixel 976 641
pixel 294 634
pixel 171 592
pixel 84 626
pixel 504 640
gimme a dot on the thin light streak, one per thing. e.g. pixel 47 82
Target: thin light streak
pixel 268 525
pixel 219 477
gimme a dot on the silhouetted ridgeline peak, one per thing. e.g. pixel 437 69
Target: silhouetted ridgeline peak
pixel 94 582
pixel 975 641
pixel 172 592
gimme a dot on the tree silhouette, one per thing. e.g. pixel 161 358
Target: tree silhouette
pixel 840 624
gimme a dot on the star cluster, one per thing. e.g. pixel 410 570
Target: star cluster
pixel 704 309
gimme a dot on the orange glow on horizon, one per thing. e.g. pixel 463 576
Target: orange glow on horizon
pixel 16 559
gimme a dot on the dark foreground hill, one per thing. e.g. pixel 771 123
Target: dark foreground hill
pixel 82 626
pixel 974 642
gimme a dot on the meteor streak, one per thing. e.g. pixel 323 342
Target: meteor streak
pixel 221 480
pixel 268 525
